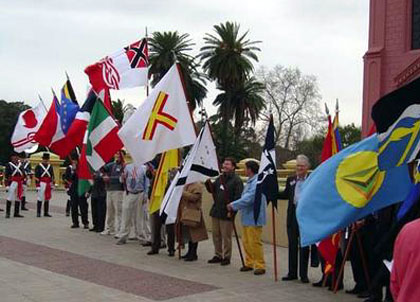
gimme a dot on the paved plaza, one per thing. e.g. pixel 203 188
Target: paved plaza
pixel 42 259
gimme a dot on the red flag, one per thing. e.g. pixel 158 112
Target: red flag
pixel 50 134
pixel 327 149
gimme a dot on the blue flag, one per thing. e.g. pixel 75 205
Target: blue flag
pixel 69 106
pixel 267 184
pixel 346 188
pixel 409 201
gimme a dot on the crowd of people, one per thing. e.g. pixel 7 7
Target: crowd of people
pixel 120 194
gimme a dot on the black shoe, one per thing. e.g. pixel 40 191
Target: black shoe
pixel 86 226
pixel 364 294
pixel 152 252
pixel 215 259
pixel 75 226
pixel 146 244
pixel 288 278
pixel 185 256
pixel 24 209
pixel 99 230
pixel 47 215
pixel 304 280
pixel 18 216
pixel 246 269
pixel 92 230
pixel 372 299
pixel 354 291
pixel 191 258
pixel 318 284
pixel 67 214
pixel 225 262
pixel 259 271
pixel 1 210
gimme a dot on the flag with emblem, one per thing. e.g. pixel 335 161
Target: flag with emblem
pixel 161 123
pixel 348 187
pixel 397 121
pixel 200 164
pixel 84 173
pixel 168 161
pixel 267 184
pixel 102 138
pixel 50 134
pixel 69 106
pixel 126 68
pixel 27 126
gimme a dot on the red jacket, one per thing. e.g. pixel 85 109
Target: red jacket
pixel 405 276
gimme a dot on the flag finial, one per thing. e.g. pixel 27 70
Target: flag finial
pixel 327 111
pixel 337 110
pixel 67 76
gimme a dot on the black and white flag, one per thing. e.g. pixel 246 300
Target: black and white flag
pixel 199 165
pixel 267 184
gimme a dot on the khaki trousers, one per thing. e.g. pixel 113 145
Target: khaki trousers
pixel 129 215
pixel 222 237
pixel 114 210
pixel 254 253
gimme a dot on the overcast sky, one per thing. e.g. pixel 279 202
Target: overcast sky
pixel 40 40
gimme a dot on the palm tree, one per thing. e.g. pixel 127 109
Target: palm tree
pixel 228 56
pixel 166 48
pixel 243 103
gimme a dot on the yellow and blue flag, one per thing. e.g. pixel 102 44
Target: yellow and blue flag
pixel 346 188
pixel 69 106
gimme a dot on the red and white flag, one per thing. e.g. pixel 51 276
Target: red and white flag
pixel 50 134
pixel 27 126
pixel 126 68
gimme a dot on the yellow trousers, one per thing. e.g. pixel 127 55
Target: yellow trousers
pixel 253 246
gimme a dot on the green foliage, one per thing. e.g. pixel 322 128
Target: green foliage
pixel 350 134
pixel 169 47
pixel 9 113
pixel 118 109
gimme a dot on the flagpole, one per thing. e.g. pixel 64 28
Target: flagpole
pixel 147 84
pixel 273 221
pixel 42 102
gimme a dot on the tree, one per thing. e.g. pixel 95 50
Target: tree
pixel 120 110
pixel 227 58
pixel 9 113
pixel 294 100
pixel 166 48
pixel 350 134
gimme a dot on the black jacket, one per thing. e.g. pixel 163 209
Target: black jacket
pixel 289 194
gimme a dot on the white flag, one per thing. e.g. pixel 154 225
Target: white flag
pixel 200 164
pixel 163 122
pixel 27 125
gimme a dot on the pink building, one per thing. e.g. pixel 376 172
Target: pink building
pixel 393 56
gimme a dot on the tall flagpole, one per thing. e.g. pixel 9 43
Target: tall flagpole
pixel 42 102
pixel 147 84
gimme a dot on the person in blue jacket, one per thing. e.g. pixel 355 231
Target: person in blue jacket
pixel 251 234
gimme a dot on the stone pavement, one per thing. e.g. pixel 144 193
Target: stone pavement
pixel 42 259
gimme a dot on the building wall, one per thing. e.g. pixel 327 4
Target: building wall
pixel 389 62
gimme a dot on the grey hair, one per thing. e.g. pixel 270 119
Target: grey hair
pixel 304 158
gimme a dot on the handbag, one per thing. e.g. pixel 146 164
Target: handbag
pixel 191 217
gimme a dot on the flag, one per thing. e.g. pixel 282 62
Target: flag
pixel 163 122
pixel 102 138
pixel 397 120
pixel 329 148
pixel 347 187
pixel 267 175
pixel 85 179
pixel 126 68
pixel 69 106
pixel 328 249
pixel 50 134
pixel 27 126
pixel 412 198
pixel 76 132
pixel 168 161
pixel 200 164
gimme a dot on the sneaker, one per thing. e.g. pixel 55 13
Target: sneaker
pixel 74 226
pixel 215 259
pixel 225 262
pixel 259 271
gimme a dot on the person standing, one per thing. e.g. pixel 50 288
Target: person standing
pixel 15 176
pixel 193 232
pixel 44 177
pixel 77 202
pixel 27 182
pixel 252 230
pixel 226 188
pixel 135 179
pixel 67 184
pixel 115 193
pixel 98 202
pixel 405 274
pixel 292 193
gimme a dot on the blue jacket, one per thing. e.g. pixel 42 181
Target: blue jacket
pixel 246 204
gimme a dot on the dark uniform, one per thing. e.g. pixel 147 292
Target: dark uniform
pixel 76 201
pixel 28 171
pixel 15 176
pixel 98 202
pixel 44 177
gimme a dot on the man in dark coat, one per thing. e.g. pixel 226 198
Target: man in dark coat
pixel 98 202
pixel 292 194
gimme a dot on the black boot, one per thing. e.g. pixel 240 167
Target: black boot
pixel 23 204
pixel 68 207
pixel 38 208
pixel 8 208
pixel 192 250
pixel 17 208
pixel 46 208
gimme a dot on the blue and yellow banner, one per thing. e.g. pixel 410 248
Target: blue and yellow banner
pixel 346 188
